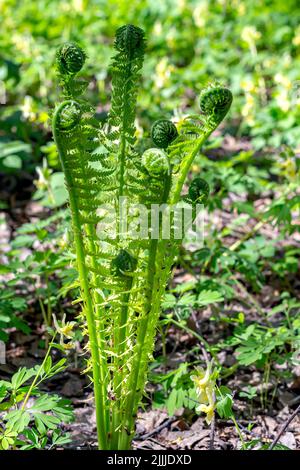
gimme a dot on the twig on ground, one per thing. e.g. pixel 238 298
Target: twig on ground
pixel 159 428
pixel 247 431
pixel 248 235
pixel 283 428
pixel 250 297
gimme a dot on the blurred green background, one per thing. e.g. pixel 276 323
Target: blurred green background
pixel 251 46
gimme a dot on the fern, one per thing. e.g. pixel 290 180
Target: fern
pixel 123 277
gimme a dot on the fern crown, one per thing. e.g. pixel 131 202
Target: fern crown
pixel 123 264
pixel 155 161
pixel 215 102
pixel 69 115
pixel 163 133
pixel 198 191
pixel 131 40
pixel 70 58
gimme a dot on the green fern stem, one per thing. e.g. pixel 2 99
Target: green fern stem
pixel 120 341
pixel 186 165
pixel 98 326
pixel 97 300
pixel 139 363
pixel 158 273
pixel 122 155
pixel 98 379
pixel 120 330
pixel 126 127
pixel 129 412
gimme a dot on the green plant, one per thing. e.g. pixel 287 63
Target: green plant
pixel 37 424
pixel 44 269
pixel 176 390
pixel 10 304
pixel 123 276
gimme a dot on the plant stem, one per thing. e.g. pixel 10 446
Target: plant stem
pixel 152 305
pixel 98 376
pixel 120 340
pixel 43 311
pixel 196 335
pixel 212 432
pixel 185 167
pixel 238 431
pixel 248 235
pixel 37 374
pixel 126 435
pixel 154 284
pixel 120 328
pixel 100 394
pixel 122 154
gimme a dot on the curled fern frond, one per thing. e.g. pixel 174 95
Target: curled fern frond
pixel 130 39
pixel 155 161
pixel 126 68
pixel 215 102
pixel 123 264
pixel 163 133
pixel 198 191
pixel 70 58
pixel 68 115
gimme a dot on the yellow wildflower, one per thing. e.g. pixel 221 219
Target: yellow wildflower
pixel 296 38
pixel 250 34
pixel 248 85
pixel 289 167
pixel 209 410
pixel 163 72
pixel 205 381
pixel 200 14
pixel 28 108
pixel 283 80
pixel 283 100
pixel 241 8
pixel 65 330
pixel 248 109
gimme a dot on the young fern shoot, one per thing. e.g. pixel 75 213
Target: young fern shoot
pixel 123 275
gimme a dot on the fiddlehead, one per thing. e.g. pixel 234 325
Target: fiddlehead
pixel 130 40
pixel 123 264
pixel 70 58
pixel 198 191
pixel 183 149
pixel 215 102
pixel 126 67
pixel 156 162
pixel 163 133
pixel 87 174
pixel 68 115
